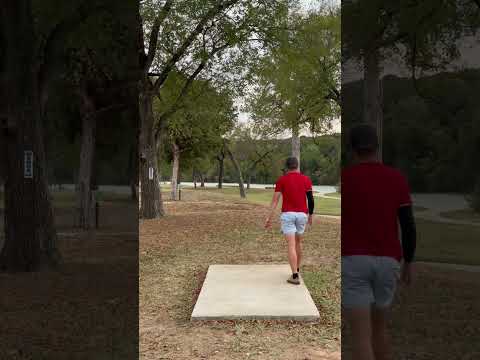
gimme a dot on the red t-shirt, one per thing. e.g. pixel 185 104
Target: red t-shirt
pixel 371 196
pixel 294 187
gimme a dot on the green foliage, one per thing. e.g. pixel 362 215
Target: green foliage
pixel 204 116
pixel 294 82
pixel 321 160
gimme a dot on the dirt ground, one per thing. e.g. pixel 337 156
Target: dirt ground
pixel 204 229
pixel 436 318
pixel 86 310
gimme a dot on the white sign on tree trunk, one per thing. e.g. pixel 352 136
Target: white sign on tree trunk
pixel 150 173
pixel 28 164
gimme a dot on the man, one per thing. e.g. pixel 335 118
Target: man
pixel 374 198
pixel 297 210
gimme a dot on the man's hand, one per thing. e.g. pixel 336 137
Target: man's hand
pixel 268 222
pixel 407 273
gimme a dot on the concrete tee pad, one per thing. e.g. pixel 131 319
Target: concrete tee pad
pixel 248 292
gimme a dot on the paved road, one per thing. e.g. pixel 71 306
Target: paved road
pixel 439 203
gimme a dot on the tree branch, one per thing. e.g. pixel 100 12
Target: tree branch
pixel 57 35
pixel 153 41
pixel 188 41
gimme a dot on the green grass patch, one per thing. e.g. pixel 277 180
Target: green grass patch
pixel 448 243
pixel 323 206
pixel 464 215
pixel 334 194
pixel 419 208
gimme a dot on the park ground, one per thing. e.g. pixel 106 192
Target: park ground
pixel 86 309
pixel 210 227
pixel 437 306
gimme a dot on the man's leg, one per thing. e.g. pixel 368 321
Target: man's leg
pixel 359 321
pixel 298 248
pixel 380 339
pixel 292 251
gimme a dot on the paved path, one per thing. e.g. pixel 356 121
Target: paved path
pixel 436 204
pixel 245 292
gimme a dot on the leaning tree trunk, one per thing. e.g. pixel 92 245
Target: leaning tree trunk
pixel 85 198
pixel 239 172
pixel 296 143
pixel 151 196
pixel 30 234
pixel 372 108
pixel 175 170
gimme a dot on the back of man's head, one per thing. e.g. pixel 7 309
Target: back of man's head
pixel 364 140
pixel 291 163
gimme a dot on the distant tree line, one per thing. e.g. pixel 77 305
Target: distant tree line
pixel 263 161
pixel 431 129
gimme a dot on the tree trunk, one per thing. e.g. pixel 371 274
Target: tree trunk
pixel 239 172
pixel 175 170
pixel 30 234
pixel 151 197
pixel 296 143
pixel 194 178
pixel 202 180
pixel 221 159
pixel 372 108
pixel 133 169
pixel 249 180
pixel 85 198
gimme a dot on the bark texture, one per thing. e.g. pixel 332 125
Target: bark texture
pixel 239 172
pixel 30 234
pixel 372 109
pixel 85 195
pixel 175 170
pixel 296 143
pixel 151 196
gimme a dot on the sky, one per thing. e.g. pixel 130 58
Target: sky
pixel 469 58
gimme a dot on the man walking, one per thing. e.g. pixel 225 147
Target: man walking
pixel 375 198
pixel 297 210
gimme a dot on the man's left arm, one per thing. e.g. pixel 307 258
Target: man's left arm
pixel 311 206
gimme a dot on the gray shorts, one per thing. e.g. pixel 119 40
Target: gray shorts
pixel 293 222
pixel 369 280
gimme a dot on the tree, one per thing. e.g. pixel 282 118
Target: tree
pixel 187 35
pixel 296 85
pixel 251 149
pixel 198 126
pixel 28 64
pixel 422 33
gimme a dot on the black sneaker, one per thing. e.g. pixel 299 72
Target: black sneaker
pixel 292 280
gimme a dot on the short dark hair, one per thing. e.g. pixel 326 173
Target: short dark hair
pixel 291 163
pixel 363 139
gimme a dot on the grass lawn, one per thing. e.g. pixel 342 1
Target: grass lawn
pixel 212 227
pixel 67 198
pixel 335 194
pixel 465 215
pixel 450 243
pixel 264 197
pixel 87 308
